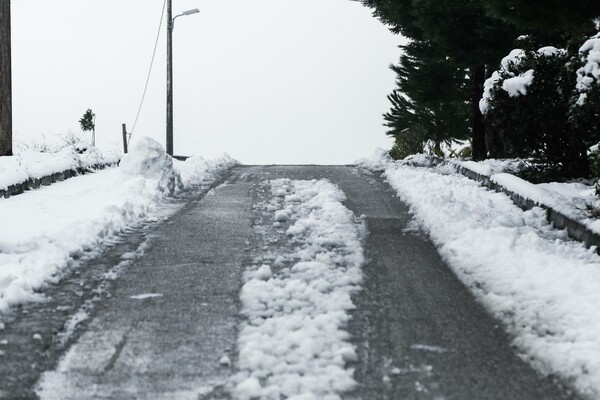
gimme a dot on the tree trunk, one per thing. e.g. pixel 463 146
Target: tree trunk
pixel 5 81
pixel 477 125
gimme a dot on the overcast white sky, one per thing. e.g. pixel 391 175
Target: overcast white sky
pixel 267 81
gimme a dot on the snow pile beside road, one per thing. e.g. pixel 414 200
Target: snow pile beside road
pixel 28 164
pixel 293 344
pixel 44 230
pixel 378 162
pixel 197 171
pixel 147 158
pixel 545 288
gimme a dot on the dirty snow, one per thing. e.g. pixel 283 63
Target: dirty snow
pixel 544 287
pixel 45 229
pixel 293 343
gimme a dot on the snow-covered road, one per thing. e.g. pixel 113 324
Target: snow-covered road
pixel 43 231
pixel 254 291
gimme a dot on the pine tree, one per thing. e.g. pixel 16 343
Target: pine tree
pixel 88 123
pixel 428 103
pixel 463 33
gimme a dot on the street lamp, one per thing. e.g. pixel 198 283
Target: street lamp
pixel 170 26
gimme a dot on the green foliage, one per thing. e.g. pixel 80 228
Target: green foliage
pixel 594 160
pixel 87 121
pixel 412 141
pixel 546 14
pixel 547 123
pixel 428 103
pixel 456 44
pixel 533 124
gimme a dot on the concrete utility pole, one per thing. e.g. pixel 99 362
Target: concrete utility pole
pixel 5 81
pixel 169 78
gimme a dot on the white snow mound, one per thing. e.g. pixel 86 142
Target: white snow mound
pixel 148 158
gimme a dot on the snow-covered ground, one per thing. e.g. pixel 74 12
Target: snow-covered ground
pixel 293 343
pixel 30 164
pixel 575 200
pixel 43 230
pixel 544 287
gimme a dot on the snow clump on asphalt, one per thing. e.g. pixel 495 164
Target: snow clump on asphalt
pixel 544 287
pixel 293 344
pixel 46 229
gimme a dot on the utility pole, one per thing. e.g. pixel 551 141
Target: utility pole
pixel 124 126
pixel 169 77
pixel 5 81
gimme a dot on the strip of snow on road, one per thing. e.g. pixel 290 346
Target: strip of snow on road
pixel 292 343
pixel 545 288
pixel 44 230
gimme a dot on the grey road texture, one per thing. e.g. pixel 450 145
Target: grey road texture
pixel 165 325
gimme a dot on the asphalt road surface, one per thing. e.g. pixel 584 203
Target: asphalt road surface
pixel 163 324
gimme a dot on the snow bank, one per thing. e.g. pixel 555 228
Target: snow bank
pixel 197 171
pixel 147 158
pixel 28 164
pixel 45 229
pixel 377 162
pixel 490 166
pixel 293 344
pixel 544 288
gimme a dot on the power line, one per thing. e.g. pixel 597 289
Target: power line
pixel 149 70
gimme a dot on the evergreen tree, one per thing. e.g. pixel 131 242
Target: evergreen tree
pixel 88 123
pixel 463 33
pixel 543 15
pixel 429 101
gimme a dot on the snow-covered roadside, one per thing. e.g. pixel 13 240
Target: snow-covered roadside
pixel 292 343
pixel 575 200
pixel 42 232
pixel 29 164
pixel 545 288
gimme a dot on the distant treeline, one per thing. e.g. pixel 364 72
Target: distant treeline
pixel 518 78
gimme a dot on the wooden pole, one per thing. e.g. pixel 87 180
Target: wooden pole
pixel 5 81
pixel 125 138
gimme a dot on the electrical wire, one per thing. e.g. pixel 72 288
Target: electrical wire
pixel 162 16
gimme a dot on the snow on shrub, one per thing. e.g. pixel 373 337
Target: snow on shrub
pixel 517 85
pixel 527 105
pixel 589 74
pixel 148 159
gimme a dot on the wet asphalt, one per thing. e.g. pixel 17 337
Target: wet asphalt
pixel 166 327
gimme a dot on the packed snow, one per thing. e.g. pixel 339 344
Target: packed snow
pixel 544 287
pixel 44 230
pixel 292 343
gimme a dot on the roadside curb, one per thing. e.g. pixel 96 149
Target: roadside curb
pixel 575 229
pixel 35 183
